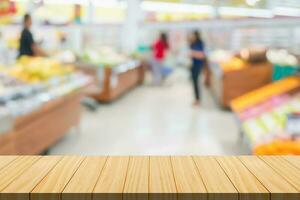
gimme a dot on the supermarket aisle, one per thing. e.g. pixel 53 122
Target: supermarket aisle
pixel 155 121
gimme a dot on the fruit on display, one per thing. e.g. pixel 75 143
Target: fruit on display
pixel 279 147
pixel 282 57
pixel 234 63
pixel 264 116
pixel 66 56
pixel 220 56
pixel 105 57
pixel 37 69
pixel 254 54
pixel 257 96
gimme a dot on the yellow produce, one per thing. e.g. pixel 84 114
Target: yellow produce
pixel 233 64
pixel 36 69
pixel 257 96
pixel 279 147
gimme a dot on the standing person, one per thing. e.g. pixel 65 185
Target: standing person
pixel 198 62
pixel 159 49
pixel 28 47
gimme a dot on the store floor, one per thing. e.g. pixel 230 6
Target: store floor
pixel 155 121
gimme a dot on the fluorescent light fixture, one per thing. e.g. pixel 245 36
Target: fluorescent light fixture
pixel 152 6
pixel 287 11
pixel 245 12
pixel 97 3
pixel 109 4
pixel 66 2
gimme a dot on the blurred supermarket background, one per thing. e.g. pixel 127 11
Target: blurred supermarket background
pixel 118 77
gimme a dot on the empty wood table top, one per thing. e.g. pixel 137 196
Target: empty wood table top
pixel 170 177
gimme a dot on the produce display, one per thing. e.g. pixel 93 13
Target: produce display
pixel 35 70
pixel 34 81
pixel 105 57
pixel 230 61
pixel 233 64
pixel 282 57
pixel 263 114
pixel 264 93
pixel 284 63
pixel 235 75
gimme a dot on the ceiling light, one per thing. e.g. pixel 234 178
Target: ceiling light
pixel 245 12
pixel 175 7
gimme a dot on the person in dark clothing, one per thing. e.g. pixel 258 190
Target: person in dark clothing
pixel 198 62
pixel 28 46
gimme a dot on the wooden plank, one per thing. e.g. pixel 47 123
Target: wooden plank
pixel 244 181
pixel 162 183
pixel 187 178
pixel 87 175
pixel 219 188
pixel 52 185
pixel 285 169
pixel 25 183
pixel 279 188
pixel 5 160
pixel 294 160
pixel 15 169
pixel 136 184
pixel 111 181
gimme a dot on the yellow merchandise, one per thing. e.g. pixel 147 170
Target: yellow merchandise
pixel 36 69
pixel 264 93
pixel 233 64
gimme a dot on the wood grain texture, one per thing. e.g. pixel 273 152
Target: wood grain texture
pixel 52 185
pixel 294 160
pixel 244 181
pixel 5 160
pixel 27 181
pixel 216 181
pixel 137 179
pixel 87 175
pixel 162 183
pixel 95 178
pixel 274 182
pixel 112 179
pixel 14 170
pixel 285 169
pixel 187 178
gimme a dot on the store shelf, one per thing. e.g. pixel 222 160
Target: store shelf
pixel 71 177
pixel 227 86
pixel 263 115
pixel 35 132
pixel 113 82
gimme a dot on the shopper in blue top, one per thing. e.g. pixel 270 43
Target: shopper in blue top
pixel 198 62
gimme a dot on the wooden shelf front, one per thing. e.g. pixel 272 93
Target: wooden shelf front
pixel 109 91
pixel 236 83
pixel 36 132
pixel 149 178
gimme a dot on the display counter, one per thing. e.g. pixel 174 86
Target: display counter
pixel 265 115
pixel 112 82
pixel 228 85
pixel 219 178
pixel 36 132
